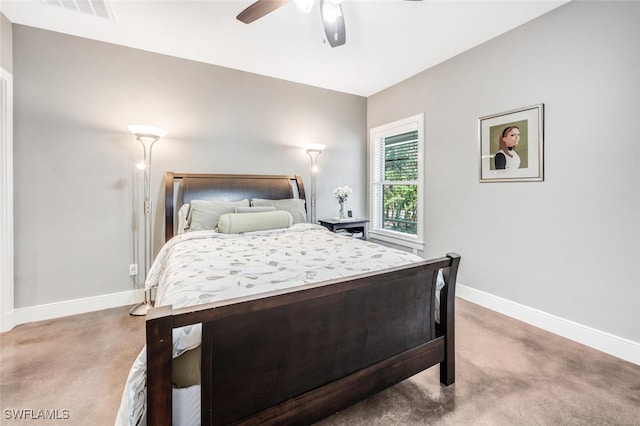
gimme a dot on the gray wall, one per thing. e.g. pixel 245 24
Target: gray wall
pixel 568 246
pixel 6 44
pixel 75 180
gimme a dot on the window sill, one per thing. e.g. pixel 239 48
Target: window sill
pixel 408 242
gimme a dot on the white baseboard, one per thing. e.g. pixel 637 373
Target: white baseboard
pixel 620 347
pixel 73 307
pixel 8 321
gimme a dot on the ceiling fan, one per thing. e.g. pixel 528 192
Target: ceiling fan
pixel 330 12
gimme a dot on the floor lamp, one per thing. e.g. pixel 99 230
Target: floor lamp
pixel 147 136
pixel 314 151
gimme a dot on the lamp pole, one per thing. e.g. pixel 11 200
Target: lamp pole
pixel 147 136
pixel 148 234
pixel 314 151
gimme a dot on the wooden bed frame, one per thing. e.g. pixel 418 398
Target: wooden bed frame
pixel 296 356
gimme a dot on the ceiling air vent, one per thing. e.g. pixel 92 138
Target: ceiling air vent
pixel 99 8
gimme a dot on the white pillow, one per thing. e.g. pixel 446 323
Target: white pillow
pixel 204 214
pixel 235 223
pixel 295 206
pixel 439 287
pixel 182 218
pixel 255 209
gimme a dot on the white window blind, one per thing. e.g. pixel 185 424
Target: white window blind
pixel 396 182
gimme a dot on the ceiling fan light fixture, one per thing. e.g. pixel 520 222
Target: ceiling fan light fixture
pixel 331 11
pixel 304 5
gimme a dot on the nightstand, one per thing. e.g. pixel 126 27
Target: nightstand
pixel 356 228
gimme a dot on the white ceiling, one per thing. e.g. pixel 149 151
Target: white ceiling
pixel 387 40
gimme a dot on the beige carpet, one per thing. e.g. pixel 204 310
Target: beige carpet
pixel 508 373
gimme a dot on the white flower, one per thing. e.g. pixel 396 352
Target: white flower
pixel 342 192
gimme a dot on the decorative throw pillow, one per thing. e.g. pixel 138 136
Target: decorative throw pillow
pixel 182 218
pixel 295 206
pixel 186 369
pixel 204 214
pixel 256 209
pixel 235 223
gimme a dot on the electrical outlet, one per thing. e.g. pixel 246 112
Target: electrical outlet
pixel 133 269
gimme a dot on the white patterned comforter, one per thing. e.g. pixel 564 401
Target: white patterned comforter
pixel 204 266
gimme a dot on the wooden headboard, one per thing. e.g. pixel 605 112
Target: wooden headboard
pixel 181 188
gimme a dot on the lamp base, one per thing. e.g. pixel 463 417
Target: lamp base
pixel 140 309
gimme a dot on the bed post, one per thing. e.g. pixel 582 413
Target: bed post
pixel 159 354
pixel 447 320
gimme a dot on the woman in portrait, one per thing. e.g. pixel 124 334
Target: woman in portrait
pixel 507 157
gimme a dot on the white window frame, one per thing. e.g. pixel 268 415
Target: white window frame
pixel 376 141
pixel 7 320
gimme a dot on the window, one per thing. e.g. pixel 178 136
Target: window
pixel 396 152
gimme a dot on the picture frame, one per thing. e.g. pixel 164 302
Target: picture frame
pixel 511 145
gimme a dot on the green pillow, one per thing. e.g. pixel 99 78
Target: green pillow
pixel 235 223
pixel 186 369
pixel 295 206
pixel 204 214
pixel 255 209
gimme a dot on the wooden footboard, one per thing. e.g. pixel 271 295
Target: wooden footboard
pixel 296 356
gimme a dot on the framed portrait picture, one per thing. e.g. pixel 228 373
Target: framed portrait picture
pixel 511 145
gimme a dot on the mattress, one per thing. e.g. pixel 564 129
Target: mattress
pixel 204 266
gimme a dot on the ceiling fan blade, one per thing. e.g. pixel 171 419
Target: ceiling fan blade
pixel 333 23
pixel 258 9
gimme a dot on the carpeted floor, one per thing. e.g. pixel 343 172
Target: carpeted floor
pixel 508 373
